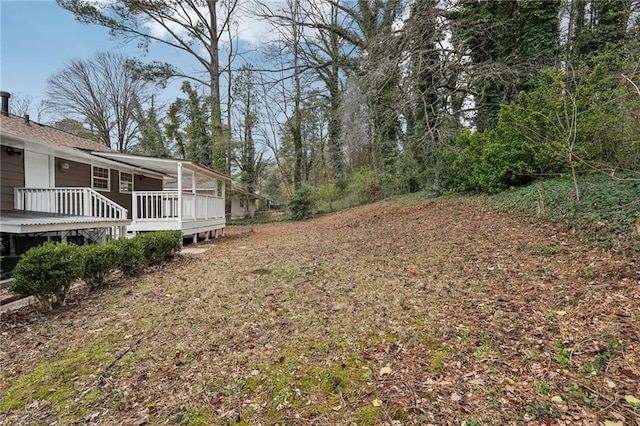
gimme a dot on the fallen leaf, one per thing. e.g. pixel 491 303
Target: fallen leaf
pixel 610 423
pixel 617 416
pixel 557 400
pixel 377 403
pixel 455 397
pixel 630 374
pixel 632 400
pixel 385 370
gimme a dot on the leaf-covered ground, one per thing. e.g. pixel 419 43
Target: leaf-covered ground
pixel 407 312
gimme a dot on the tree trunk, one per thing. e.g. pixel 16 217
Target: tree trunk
pixel 217 137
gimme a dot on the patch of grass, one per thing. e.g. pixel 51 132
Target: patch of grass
pixel 287 274
pixel 436 353
pixel 63 381
pixel 368 415
pixel 398 413
pixel 601 360
pixel 485 350
pixel 605 214
pixel 195 417
pixel 473 421
pixel 304 381
pixel 542 410
pixel 438 357
pixel 533 356
pixel 546 250
pixel 543 388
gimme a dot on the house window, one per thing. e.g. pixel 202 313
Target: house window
pixel 100 179
pixel 126 182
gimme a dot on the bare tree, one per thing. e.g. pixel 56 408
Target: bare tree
pixel 20 105
pixel 25 104
pixel 286 20
pixel 190 26
pixel 102 92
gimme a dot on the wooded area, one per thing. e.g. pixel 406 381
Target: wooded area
pixel 371 98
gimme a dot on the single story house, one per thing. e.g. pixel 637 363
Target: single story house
pixel 55 186
pixel 244 204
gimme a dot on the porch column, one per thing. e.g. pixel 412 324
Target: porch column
pixel 193 191
pixel 224 201
pixel 179 192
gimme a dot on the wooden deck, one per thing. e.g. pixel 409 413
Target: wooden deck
pixel 65 209
pixel 25 221
pixel 175 210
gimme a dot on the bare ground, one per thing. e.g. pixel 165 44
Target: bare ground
pixel 412 312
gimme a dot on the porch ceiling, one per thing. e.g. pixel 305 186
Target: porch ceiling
pixel 167 166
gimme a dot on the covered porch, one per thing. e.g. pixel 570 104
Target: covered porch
pixel 192 199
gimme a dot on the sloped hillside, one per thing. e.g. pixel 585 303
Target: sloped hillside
pixel 406 312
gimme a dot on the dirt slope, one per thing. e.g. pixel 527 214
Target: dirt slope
pixel 415 312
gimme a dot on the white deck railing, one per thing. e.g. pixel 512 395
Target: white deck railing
pixel 164 206
pixel 70 201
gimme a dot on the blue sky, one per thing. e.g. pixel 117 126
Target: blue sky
pixel 38 38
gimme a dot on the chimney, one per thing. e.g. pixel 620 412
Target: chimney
pixel 5 103
pixel 26 120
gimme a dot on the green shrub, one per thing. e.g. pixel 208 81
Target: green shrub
pixel 490 162
pixel 367 184
pixel 99 262
pixel 605 214
pixel 301 203
pixel 159 246
pixel 47 272
pixel 130 255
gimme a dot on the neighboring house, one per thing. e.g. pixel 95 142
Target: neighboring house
pixel 59 187
pixel 244 204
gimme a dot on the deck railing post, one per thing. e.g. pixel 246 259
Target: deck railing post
pixel 134 206
pixel 17 199
pixel 87 202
